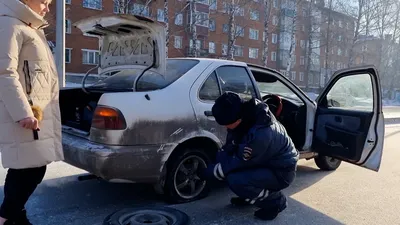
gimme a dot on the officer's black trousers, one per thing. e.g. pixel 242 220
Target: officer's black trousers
pixel 18 187
pixel 261 187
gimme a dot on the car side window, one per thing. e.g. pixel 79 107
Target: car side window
pixel 236 79
pixel 210 89
pixel 352 92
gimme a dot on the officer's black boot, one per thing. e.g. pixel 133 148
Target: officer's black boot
pixel 271 207
pixel 238 201
pixel 269 214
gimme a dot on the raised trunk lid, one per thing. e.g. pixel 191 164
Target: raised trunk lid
pixel 126 41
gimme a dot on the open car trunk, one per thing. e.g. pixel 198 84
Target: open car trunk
pixel 132 44
pixel 77 108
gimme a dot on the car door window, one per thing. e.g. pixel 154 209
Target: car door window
pixel 236 79
pixel 352 92
pixel 278 88
pixel 210 89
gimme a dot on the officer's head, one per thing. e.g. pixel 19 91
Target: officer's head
pixel 227 110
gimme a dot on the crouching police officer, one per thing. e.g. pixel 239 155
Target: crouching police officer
pixel 258 159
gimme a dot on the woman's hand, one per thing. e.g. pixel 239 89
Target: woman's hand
pixel 29 123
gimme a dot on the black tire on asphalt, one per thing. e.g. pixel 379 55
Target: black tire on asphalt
pixel 170 193
pixel 327 163
pixel 147 215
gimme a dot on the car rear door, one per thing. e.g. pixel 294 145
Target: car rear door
pixel 351 128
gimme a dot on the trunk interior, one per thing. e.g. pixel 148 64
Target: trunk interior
pixel 77 108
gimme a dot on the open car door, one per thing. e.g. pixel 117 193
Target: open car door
pixel 349 123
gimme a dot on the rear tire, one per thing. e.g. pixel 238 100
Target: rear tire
pixel 182 183
pixel 327 163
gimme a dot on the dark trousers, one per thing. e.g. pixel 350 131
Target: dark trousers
pixel 18 187
pixel 261 187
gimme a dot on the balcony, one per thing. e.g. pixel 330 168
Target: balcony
pixel 202 52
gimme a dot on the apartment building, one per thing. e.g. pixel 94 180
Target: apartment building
pixel 211 26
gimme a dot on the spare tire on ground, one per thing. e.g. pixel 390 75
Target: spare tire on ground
pixel 147 215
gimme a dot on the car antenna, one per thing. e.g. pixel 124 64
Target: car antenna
pixel 152 64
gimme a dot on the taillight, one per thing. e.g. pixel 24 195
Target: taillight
pixel 107 118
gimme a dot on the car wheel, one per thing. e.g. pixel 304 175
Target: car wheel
pixel 182 183
pixel 147 215
pixel 327 163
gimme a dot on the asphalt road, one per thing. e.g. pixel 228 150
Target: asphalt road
pixel 350 195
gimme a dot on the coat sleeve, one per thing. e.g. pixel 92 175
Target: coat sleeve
pixel 245 157
pixel 11 92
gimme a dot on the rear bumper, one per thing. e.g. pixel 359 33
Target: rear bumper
pixel 141 164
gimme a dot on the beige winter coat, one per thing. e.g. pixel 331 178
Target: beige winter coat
pixel 22 39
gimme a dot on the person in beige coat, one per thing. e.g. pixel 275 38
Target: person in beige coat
pixel 30 127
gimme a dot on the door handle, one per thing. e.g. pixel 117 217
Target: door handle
pixel 208 113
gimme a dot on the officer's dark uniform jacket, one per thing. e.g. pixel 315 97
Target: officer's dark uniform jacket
pixel 260 142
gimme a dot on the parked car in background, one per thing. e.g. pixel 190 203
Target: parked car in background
pixel 151 121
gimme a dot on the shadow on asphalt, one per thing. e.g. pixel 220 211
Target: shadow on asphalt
pixel 70 201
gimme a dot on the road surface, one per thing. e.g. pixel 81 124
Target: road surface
pixel 350 195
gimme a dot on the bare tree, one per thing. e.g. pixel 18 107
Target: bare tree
pixel 292 32
pixel 234 9
pixel 267 13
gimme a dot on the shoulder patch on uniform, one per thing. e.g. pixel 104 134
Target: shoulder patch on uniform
pixel 247 153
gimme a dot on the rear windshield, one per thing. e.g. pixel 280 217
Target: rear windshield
pixel 124 79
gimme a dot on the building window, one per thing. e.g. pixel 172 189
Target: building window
pixel 275 3
pixel 239 31
pixel 225 7
pixel 253 34
pixel 274 38
pixel 340 38
pixel 211 47
pixel 213 4
pixel 293 75
pixel 199 44
pixel 178 42
pixel 253 53
pixel 160 15
pixel 68 2
pixel 238 51
pixel 202 19
pixel 340 24
pixel 302 43
pixel 302 60
pixel 254 15
pixel 303 28
pixel 239 11
pixel 93 4
pixel 211 25
pixel 304 11
pixel 275 20
pixel 273 56
pixel 225 28
pixel 90 57
pixel 139 9
pixel 68 55
pixel 179 19
pixel 205 2
pixel 301 78
pixel 224 49
pixel 339 51
pixel 68 26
